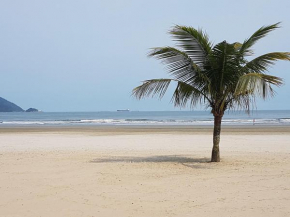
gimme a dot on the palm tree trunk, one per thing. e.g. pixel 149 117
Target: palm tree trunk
pixel 215 155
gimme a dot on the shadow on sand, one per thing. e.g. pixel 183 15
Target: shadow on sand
pixel 185 161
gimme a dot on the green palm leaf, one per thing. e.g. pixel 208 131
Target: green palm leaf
pixel 257 83
pixel 260 33
pixel 179 64
pixel 194 42
pixel 185 93
pixel 151 87
pixel 260 64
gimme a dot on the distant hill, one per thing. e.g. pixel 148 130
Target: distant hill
pixel 6 106
pixel 32 110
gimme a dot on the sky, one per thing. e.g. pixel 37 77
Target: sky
pixel 69 55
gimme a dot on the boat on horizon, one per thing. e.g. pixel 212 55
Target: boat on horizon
pixel 123 110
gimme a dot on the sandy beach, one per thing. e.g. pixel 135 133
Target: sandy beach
pixel 144 171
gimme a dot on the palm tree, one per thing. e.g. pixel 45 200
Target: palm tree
pixel 218 76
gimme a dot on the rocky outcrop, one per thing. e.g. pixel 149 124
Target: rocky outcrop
pixel 6 106
pixel 32 110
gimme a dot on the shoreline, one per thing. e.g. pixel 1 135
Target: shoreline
pixel 144 129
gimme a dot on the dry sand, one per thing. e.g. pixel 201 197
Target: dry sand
pixel 157 172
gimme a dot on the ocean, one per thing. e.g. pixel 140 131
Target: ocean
pixel 257 117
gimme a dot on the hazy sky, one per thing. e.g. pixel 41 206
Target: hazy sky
pixel 86 55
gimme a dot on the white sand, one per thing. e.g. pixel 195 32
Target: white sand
pixel 49 174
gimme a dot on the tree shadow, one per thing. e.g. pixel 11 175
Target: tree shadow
pixel 185 161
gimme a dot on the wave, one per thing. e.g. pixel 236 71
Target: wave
pixel 141 121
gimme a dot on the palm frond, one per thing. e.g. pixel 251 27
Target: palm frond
pixel 257 83
pixel 178 63
pixel 151 87
pixel 260 33
pixel 185 93
pixel 224 60
pixel 260 64
pixel 194 42
pixel 243 101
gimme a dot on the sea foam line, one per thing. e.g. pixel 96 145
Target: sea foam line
pixel 278 121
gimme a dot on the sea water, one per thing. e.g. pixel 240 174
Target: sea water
pixel 257 117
